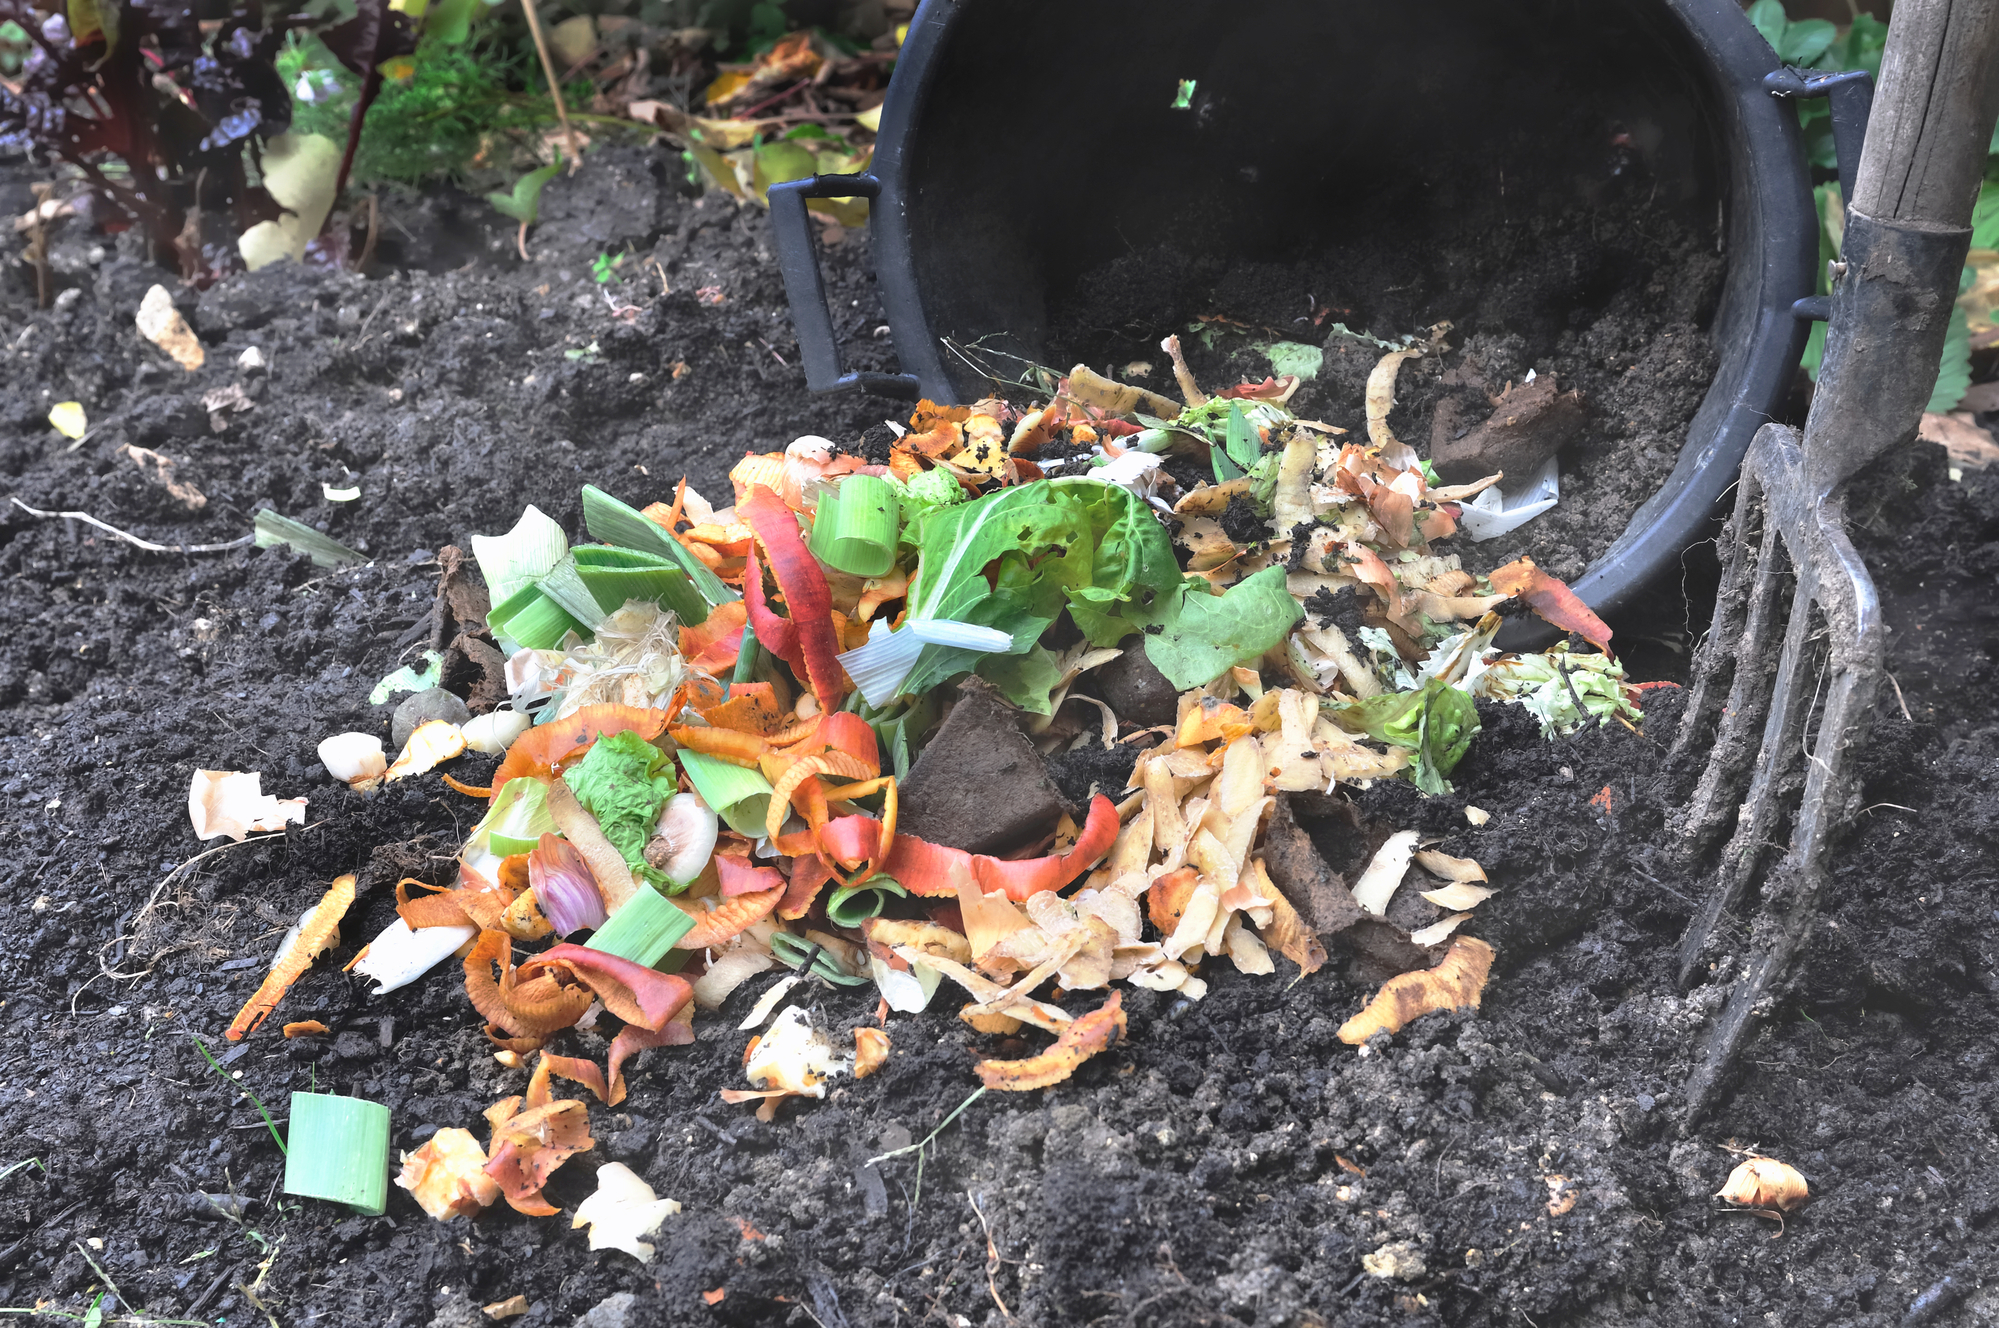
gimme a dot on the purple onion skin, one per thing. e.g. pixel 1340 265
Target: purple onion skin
pixel 564 888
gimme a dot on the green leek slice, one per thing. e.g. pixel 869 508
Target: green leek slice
pixel 622 524
pixel 644 929
pixel 740 796
pixel 855 527
pixel 339 1151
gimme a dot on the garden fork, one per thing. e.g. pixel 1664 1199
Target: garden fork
pixel 1907 232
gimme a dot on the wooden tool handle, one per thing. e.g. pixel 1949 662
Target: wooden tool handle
pixel 1932 117
pixel 1907 229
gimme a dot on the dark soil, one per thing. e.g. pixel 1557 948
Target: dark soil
pixel 1612 298
pixel 1231 1163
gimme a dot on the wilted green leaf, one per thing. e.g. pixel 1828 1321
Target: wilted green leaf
pixel 1209 634
pixel 524 203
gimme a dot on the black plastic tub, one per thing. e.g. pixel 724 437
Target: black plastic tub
pixel 1023 141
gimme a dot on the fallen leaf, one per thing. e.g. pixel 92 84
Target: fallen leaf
pixel 159 468
pixel 1455 984
pixel 622 1211
pixel 871 1048
pixel 448 1178
pixel 1970 447
pixel 160 323
pixel 1096 1031
pixel 233 803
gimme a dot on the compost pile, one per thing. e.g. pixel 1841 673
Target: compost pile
pixel 808 729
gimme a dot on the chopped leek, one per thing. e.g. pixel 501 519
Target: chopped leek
pixel 644 929
pixel 339 1151
pixel 522 556
pixel 746 655
pixel 740 796
pixel 791 951
pixel 620 523
pixel 617 576
pixel 533 621
pixel 324 550
pixel 855 528
pixel 852 905
pixel 517 820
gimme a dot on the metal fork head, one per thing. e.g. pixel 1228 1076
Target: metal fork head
pixel 1830 662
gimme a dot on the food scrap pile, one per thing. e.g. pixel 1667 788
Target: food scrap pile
pixel 813 730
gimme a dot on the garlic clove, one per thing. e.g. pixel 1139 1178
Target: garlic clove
pixel 356 759
pixel 495 732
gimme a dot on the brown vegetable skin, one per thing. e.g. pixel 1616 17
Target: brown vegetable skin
pixel 1764 1182
pixel 1308 881
pixel 1455 984
pixel 871 1047
pixel 321 932
pixel 1099 1030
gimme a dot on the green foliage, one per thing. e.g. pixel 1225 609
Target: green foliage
pixel 523 203
pixel 1954 374
pixel 463 96
pixel 13 47
pixel 1437 722
pixel 1204 635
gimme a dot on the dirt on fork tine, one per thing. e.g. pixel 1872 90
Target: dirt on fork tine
pixel 1207 1171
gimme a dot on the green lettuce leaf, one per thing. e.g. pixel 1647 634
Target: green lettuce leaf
pixel 623 781
pixel 1205 635
pixel 1132 570
pixel 1437 722
pixel 1026 680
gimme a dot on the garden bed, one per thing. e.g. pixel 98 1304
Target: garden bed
pixel 1231 1161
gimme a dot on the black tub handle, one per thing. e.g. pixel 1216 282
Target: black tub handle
pixel 1850 95
pixel 805 289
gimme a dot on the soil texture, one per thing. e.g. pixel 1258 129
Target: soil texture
pixel 1232 1163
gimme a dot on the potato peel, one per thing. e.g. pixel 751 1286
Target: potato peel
pixel 1455 984
pixel 1099 1030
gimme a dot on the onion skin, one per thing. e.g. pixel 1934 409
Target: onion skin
pixel 564 887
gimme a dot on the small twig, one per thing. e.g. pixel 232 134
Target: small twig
pixel 555 91
pixel 992 1255
pixel 374 227
pixel 1898 697
pixel 132 539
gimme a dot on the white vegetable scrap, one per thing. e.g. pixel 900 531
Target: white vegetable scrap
pixel 622 1211
pixel 493 733
pixel 233 803
pixel 355 759
pixel 1376 885
pixel 399 956
pixel 160 323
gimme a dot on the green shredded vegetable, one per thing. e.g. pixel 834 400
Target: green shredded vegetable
pixel 623 781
